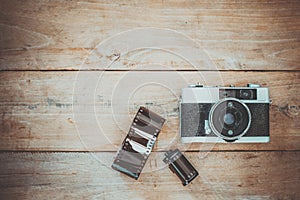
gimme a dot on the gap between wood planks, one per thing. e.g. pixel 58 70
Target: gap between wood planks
pixel 157 151
pixel 142 70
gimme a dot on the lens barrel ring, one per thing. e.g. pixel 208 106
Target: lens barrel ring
pixel 212 114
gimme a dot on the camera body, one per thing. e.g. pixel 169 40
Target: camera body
pixel 224 114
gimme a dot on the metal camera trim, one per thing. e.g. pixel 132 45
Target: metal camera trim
pixel 216 132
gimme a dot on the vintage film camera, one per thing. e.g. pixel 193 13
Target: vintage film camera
pixel 224 114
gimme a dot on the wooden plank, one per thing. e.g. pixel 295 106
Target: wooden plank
pixel 222 175
pixel 58 35
pixel 43 111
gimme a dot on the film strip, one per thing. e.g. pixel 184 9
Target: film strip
pixel 138 143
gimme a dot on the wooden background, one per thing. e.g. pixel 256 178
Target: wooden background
pixel 50 152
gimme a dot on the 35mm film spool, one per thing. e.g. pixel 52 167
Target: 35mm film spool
pixel 179 165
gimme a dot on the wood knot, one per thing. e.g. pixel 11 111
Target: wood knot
pixel 293 110
pixel 289 110
pixel 114 56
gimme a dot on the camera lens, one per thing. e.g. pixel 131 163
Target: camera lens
pixel 229 119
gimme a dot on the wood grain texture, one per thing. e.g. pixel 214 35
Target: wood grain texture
pixel 231 175
pixel 43 110
pixel 56 35
pixel 73 74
